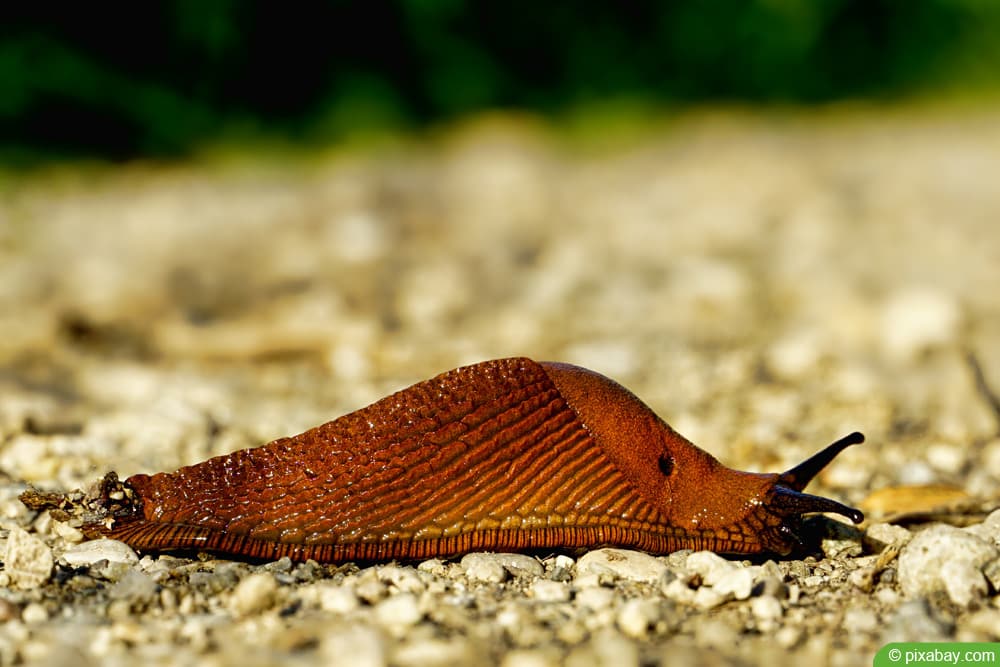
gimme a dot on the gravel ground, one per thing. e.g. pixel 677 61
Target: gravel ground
pixel 767 283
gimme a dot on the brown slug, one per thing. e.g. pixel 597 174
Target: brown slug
pixel 504 455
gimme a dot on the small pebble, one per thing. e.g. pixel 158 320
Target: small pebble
pixel 34 613
pixel 433 566
pixel 637 616
pixel 545 590
pixel 352 646
pixel 945 558
pixel 483 567
pixel 519 565
pixel 368 586
pixel 88 553
pixel 710 566
pixel 707 597
pixel 916 319
pixel 134 586
pixel 622 563
pixel 989 529
pixel 860 620
pixel 27 560
pixel 880 535
pixel 338 599
pixel 530 658
pixel 428 652
pixel 737 583
pixel 8 610
pixel 788 636
pixel 767 611
pixel 398 611
pixel 403 579
pixel 914 619
pixel 606 648
pixel 253 594
pixel 986 622
pixel 595 598
pixel 863 579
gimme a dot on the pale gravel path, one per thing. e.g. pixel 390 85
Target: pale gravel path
pixel 767 284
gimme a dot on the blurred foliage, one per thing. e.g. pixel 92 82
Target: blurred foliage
pixel 130 79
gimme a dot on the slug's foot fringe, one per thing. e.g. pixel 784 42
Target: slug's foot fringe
pixel 95 512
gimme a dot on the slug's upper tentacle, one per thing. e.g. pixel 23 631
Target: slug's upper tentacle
pixel 798 477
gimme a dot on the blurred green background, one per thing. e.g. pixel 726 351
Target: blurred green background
pixel 123 80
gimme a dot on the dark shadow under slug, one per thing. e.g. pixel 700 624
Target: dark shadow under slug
pixel 504 455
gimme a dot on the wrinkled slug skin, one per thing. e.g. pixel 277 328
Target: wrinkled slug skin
pixel 504 455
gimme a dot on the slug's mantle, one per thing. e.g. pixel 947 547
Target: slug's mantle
pixel 505 455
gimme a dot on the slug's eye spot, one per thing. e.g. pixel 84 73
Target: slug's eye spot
pixel 666 464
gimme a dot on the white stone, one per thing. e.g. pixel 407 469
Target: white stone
pixel 433 566
pixel 544 590
pixel 989 529
pixel 858 619
pixel 945 558
pixel 766 608
pixel 595 598
pixel 622 563
pixel 255 593
pixel 519 565
pixel 529 658
pixel 427 652
pixel 564 561
pixel 28 561
pixel 737 583
pixel 398 611
pixel 353 646
pixel 888 534
pixel 337 599
pixel 916 319
pixel 637 616
pixel 707 597
pixel 795 356
pixel 483 567
pixel 710 566
pixel 679 591
pixel 88 553
pixel 606 648
pixel 946 458
pixel 34 613
pixel 404 579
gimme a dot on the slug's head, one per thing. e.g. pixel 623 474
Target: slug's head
pixel 782 507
